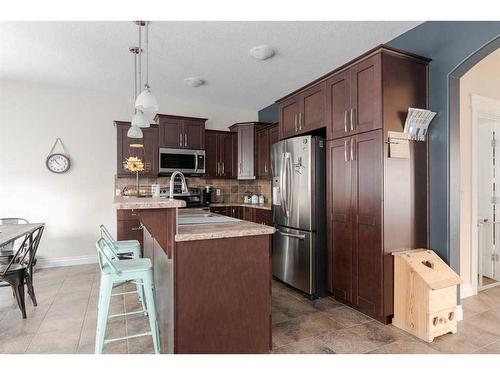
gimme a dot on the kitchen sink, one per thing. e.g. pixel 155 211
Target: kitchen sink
pixel 205 219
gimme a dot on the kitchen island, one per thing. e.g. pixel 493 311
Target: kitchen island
pixel 212 279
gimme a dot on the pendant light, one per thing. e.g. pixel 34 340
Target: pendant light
pixel 146 101
pixel 134 132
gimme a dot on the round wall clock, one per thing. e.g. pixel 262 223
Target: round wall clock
pixel 58 162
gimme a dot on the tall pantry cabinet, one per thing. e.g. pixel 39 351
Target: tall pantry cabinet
pixel 376 204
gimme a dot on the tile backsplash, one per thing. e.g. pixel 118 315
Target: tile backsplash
pixel 231 190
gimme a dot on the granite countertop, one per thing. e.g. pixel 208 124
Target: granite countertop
pixel 241 228
pixel 265 206
pixel 134 203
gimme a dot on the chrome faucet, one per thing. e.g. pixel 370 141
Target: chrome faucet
pixel 184 185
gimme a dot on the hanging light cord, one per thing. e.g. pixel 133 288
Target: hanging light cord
pixel 140 56
pixel 147 54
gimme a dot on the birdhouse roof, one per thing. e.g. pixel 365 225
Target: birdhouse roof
pixel 434 272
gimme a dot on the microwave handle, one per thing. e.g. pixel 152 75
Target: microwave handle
pixel 196 161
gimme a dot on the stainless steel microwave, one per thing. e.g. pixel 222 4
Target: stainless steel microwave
pixel 190 162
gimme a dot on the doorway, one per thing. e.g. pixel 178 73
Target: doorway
pixel 485 218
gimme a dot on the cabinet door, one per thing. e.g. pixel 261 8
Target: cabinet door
pixel 211 155
pixel 227 155
pixel 171 133
pixel 288 116
pixel 366 95
pixel 274 134
pixel 194 134
pixel 312 108
pixel 338 105
pixel 262 153
pixel 246 151
pixel 339 219
pixel 248 213
pixel 263 216
pixel 150 151
pixel 367 239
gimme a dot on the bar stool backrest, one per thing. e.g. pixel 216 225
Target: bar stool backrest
pixel 105 256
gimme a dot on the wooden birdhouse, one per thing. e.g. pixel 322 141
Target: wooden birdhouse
pixel 425 294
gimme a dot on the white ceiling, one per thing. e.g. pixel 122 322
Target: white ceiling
pixel 95 55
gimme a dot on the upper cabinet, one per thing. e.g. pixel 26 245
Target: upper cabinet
pixel 265 138
pixel 221 154
pixel 246 159
pixel 148 153
pixel 303 112
pixel 181 132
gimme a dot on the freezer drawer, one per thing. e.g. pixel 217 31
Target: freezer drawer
pixel 293 258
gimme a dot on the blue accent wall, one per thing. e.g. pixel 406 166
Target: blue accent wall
pixel 269 114
pixel 448 44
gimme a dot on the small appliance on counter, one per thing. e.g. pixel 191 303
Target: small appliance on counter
pixel 193 198
pixel 207 195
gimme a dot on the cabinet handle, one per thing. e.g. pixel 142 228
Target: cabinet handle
pixel 240 168
pixel 352 148
pixel 265 167
pixel 180 139
pixel 345 121
pixel 350 119
pixel 295 122
pixel 185 139
pixel 345 151
pixel 223 169
pixel 138 228
pixel 218 169
pixel 300 120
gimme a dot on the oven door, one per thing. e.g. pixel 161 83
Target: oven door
pixel 185 161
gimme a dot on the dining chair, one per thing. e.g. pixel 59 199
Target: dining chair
pixel 115 271
pixel 19 270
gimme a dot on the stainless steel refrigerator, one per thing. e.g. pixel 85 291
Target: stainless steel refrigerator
pixel 298 195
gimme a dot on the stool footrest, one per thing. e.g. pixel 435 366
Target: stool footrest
pixel 123 293
pixel 128 337
pixel 126 314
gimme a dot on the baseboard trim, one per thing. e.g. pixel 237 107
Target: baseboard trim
pixel 466 290
pixel 460 313
pixel 65 261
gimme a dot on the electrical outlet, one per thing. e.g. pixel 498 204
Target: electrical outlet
pixel 217 192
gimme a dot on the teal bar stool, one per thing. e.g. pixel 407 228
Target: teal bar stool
pixel 115 271
pixel 124 249
pixel 131 248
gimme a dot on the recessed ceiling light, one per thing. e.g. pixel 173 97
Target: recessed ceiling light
pixel 193 81
pixel 262 52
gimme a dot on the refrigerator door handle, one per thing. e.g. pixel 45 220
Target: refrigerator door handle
pixel 298 236
pixel 282 185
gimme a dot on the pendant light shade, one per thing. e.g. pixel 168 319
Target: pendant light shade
pixel 140 120
pixel 134 132
pixel 146 101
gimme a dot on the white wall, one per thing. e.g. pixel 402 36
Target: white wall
pixel 483 79
pixel 72 205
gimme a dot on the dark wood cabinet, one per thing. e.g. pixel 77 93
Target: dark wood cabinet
pixel 128 226
pixel 263 153
pixel 181 132
pixel 148 153
pixel 303 112
pixel 376 204
pixel 246 167
pixel 263 216
pixel 354 99
pixel 274 134
pixel 288 121
pixel 221 154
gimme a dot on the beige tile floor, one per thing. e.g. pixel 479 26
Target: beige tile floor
pixel 65 320
pixel 327 326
